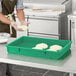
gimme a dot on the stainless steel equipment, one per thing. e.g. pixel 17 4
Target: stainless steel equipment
pixel 48 20
pixel 46 1
pixel 72 26
pixel 44 27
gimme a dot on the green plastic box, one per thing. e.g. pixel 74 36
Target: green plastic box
pixel 24 45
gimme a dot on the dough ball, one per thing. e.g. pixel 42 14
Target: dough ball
pixel 55 47
pixel 53 50
pixel 42 45
pixel 36 48
pixel 23 27
pixel 3 40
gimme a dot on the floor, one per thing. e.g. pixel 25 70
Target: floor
pixel 16 70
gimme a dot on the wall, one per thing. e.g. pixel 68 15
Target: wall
pixel 74 4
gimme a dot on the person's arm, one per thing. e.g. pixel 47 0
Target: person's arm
pixel 20 15
pixel 7 21
pixel 4 19
pixel 20 12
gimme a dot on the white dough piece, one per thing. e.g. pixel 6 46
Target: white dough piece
pixel 23 27
pixel 55 48
pixel 42 45
pixel 36 48
pixel 4 37
pixel 3 40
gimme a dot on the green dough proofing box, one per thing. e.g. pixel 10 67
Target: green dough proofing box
pixel 24 45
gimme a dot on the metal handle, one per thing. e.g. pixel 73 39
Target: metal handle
pixel 73 27
pixel 43 18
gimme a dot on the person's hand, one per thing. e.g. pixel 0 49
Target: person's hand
pixel 25 23
pixel 15 26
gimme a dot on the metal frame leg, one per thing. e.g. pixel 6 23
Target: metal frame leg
pixel 71 74
pixel 69 29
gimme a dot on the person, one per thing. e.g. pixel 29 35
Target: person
pixel 7 21
pixel 6 10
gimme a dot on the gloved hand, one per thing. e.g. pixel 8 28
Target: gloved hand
pixel 24 23
pixel 15 26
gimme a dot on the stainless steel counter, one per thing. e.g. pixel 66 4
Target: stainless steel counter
pixel 66 65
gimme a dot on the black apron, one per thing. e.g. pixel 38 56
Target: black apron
pixel 8 8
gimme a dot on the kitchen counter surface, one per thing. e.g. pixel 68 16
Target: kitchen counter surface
pixel 66 65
